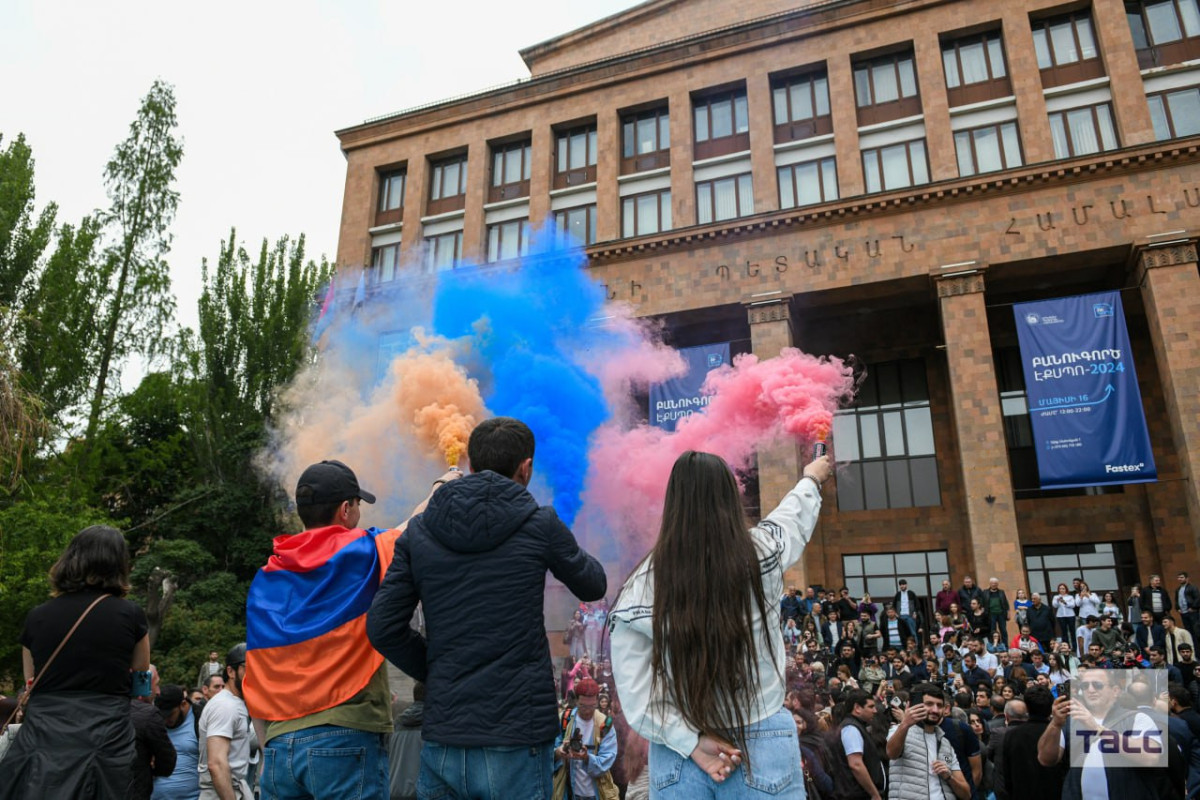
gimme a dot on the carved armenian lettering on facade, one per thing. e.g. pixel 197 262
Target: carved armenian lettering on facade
pixel 1082 214
pixel 816 258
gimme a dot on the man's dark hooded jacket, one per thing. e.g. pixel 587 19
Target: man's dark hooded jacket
pixel 482 539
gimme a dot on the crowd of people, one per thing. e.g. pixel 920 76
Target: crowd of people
pixel 696 682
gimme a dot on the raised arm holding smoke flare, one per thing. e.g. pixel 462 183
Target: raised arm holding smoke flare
pixel 700 674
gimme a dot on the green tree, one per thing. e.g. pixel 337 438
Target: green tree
pixel 135 304
pixel 24 236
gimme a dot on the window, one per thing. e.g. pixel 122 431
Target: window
pixel 1018 433
pixel 1104 566
pixel 1081 131
pixel 391 196
pixel 645 140
pixel 807 183
pixel 1164 31
pixel 724 198
pixel 1175 114
pixel 575 156
pixel 443 252
pixel 988 149
pixel 643 214
pixel 801 106
pixel 887 440
pixel 578 224
pixel 721 124
pixel 886 88
pixel 975 69
pixel 879 574
pixel 384 263
pixel 510 171
pixel 896 166
pixel 448 185
pixel 1066 49
pixel 508 240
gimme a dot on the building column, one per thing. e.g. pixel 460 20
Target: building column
pixel 416 186
pixel 762 141
pixel 608 168
pixel 844 112
pixel 779 463
pixel 979 429
pixel 542 148
pixel 1115 41
pixel 1170 282
pixel 939 139
pixel 683 184
pixel 474 240
pixel 1026 80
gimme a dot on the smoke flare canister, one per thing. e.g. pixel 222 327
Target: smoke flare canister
pixel 819 449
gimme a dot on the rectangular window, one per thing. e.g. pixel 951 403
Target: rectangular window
pixel 988 149
pixel 508 240
pixel 879 574
pixel 448 185
pixel 808 183
pixel 1082 131
pixel 896 166
pixel 575 156
pixel 510 171
pixel 643 214
pixel 801 107
pixel 578 224
pixel 886 88
pixel 1175 114
pixel 443 252
pixel 1104 567
pixel 384 263
pixel 975 69
pixel 391 190
pixel 1066 49
pixel 724 198
pixel 887 440
pixel 1164 31
pixel 645 140
pixel 721 124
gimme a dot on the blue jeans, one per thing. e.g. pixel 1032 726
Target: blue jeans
pixel 486 773
pixel 325 763
pixel 775 769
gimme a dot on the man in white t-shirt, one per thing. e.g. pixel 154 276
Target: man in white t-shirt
pixel 1083 634
pixel 985 660
pixel 922 760
pixel 225 736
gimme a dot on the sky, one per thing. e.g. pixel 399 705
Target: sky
pixel 260 89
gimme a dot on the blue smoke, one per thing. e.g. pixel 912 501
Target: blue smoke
pixel 530 331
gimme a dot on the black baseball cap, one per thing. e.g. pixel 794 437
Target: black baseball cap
pixel 329 482
pixel 170 697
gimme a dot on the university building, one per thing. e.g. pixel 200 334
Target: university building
pixel 868 178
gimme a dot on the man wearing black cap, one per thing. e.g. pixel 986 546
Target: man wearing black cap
pixel 155 755
pixel 492 713
pixel 182 727
pixel 314 679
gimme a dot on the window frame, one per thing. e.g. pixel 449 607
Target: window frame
pixel 993 86
pixel 433 245
pixel 375 274
pixel 633 161
pixel 497 231
pixel 385 215
pixel 711 186
pixel 1155 54
pixel 878 153
pixel 713 146
pixel 998 126
pixel 822 163
pixel 1081 69
pixel 664 201
pixel 874 112
pixel 562 223
pixel 1162 98
pixel 796 128
pixel 439 201
pixel 566 176
pixel 1116 145
pixel 498 188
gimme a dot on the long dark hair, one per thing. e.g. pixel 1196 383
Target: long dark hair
pixel 97 559
pixel 707 582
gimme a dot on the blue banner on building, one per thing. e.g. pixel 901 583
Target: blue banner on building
pixel 1088 425
pixel 680 397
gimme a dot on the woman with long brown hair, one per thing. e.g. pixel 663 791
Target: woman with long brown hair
pixel 697 653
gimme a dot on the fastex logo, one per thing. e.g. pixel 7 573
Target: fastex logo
pixel 1116 468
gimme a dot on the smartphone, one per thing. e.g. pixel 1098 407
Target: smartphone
pixel 576 745
pixel 896 702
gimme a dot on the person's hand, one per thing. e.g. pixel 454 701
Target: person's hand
pixel 915 714
pixel 452 474
pixel 820 469
pixel 941 769
pixel 582 755
pixel 718 759
pixel 561 754
pixel 1060 710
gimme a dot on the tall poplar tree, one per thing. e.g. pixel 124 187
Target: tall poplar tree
pixel 136 305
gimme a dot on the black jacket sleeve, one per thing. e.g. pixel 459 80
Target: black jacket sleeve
pixel 582 574
pixel 155 736
pixel 389 620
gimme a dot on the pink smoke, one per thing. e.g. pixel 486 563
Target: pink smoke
pixel 753 402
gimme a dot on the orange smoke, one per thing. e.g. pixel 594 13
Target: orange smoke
pixel 435 397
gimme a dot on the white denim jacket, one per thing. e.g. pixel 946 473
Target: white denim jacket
pixel 780 539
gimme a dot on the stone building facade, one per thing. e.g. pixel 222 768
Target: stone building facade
pixel 867 178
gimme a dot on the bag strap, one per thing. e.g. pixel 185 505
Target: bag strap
pixel 29 690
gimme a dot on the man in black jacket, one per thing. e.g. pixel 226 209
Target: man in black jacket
pixel 1024 777
pixel 155 753
pixel 491 714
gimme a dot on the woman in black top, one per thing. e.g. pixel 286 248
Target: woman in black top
pixel 77 740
